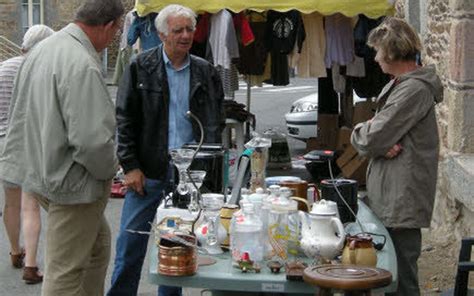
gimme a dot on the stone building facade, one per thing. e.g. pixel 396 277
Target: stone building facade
pixel 53 13
pixel 445 27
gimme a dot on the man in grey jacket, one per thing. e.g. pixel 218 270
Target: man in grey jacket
pixel 402 143
pixel 60 147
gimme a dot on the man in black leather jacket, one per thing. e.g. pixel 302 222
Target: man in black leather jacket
pixel 157 89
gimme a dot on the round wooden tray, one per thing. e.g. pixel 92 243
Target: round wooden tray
pixel 347 277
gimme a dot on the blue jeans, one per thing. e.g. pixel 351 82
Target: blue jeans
pixel 131 248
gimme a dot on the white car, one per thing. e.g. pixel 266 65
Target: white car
pixel 302 120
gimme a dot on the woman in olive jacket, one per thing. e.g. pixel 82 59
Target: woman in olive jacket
pixel 402 143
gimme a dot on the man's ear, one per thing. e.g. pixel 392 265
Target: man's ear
pixel 162 36
pixel 110 24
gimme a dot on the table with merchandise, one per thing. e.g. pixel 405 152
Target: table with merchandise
pixel 222 278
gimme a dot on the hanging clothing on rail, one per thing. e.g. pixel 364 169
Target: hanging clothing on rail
pixel 243 30
pixel 283 30
pixel 373 82
pixel 201 35
pixel 339 40
pixel 253 56
pixel 224 48
pixel 328 100
pixel 311 59
pixel 223 39
pixel 356 68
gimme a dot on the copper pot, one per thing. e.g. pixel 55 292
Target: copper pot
pixel 175 259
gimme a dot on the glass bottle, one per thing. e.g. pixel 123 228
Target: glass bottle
pixel 279 233
pixel 245 237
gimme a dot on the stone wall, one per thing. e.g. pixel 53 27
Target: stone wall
pixel 62 12
pixel 10 25
pixel 455 201
pixel 57 14
pixel 448 44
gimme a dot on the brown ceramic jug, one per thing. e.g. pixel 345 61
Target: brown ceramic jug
pixel 359 250
pixel 300 189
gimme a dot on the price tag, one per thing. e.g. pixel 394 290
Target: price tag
pixel 271 287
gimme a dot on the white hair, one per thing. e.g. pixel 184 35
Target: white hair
pixel 161 21
pixel 34 35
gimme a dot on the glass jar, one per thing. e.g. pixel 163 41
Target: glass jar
pixel 245 236
pixel 279 231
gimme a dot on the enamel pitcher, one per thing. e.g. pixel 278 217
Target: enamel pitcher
pixel 322 232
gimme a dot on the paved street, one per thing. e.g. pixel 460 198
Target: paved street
pixel 268 104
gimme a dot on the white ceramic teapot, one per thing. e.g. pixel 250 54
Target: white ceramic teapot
pixel 322 232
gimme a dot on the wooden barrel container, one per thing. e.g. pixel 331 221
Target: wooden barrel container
pixel 175 259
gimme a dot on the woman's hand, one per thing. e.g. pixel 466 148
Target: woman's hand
pixel 394 151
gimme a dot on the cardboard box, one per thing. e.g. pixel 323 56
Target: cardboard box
pixel 348 154
pixel 343 138
pixel 328 128
pixel 313 144
pixel 363 111
pixel 356 169
pixel 352 165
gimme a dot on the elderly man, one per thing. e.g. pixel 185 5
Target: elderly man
pixel 60 146
pixel 156 91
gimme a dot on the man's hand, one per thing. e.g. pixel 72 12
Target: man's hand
pixel 135 180
pixel 394 151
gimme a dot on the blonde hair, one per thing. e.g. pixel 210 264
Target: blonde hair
pixel 397 40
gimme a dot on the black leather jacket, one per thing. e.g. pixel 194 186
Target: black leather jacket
pixel 142 111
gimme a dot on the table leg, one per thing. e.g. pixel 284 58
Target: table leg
pixel 358 293
pixel 324 292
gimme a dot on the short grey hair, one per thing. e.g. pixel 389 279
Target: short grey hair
pixel 34 35
pixel 99 12
pixel 161 21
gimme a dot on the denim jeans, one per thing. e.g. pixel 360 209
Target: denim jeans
pixel 131 248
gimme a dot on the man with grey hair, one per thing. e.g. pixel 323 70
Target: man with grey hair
pixel 156 91
pixel 20 210
pixel 60 146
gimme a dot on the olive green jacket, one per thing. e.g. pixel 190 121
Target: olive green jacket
pixel 401 190
pixel 60 142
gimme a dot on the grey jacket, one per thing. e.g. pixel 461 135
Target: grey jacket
pixel 402 189
pixel 60 140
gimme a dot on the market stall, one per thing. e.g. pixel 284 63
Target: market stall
pixel 225 278
pixel 221 276
pixel 238 38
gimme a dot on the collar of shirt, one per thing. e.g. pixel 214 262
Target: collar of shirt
pixel 76 32
pixel 170 65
